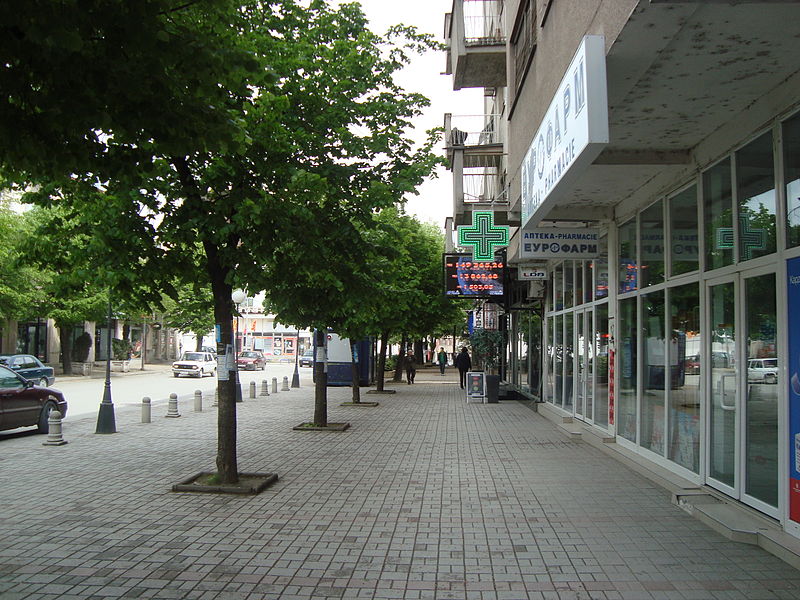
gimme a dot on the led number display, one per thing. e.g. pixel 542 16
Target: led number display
pixel 467 278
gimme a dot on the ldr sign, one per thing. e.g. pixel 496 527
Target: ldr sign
pixel 572 133
pixel 550 242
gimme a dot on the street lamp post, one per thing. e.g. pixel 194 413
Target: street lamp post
pixel 238 296
pixel 106 422
pixel 296 375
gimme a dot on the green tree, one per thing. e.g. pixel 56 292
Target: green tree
pixel 323 144
pixel 192 311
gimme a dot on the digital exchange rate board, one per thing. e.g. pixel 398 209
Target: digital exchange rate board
pixel 467 278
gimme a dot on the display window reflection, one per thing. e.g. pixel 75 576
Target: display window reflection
pixel 718 215
pixel 722 351
pixel 627 358
pixel 601 339
pixel 791 169
pixel 655 375
pixel 683 436
pixel 627 257
pixel 755 190
pixel 684 234
pixel 651 243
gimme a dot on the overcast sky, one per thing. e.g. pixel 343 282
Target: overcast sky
pixel 435 201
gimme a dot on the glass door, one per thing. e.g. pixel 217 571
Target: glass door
pixel 744 383
pixel 721 350
pixel 585 360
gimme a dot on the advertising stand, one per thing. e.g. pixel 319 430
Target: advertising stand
pixel 476 386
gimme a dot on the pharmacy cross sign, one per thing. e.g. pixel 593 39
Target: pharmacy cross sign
pixel 749 239
pixel 483 235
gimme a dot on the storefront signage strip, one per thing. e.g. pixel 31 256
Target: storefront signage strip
pixel 571 135
pixel 549 242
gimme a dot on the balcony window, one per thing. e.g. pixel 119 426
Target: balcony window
pixel 483 22
pixel 523 40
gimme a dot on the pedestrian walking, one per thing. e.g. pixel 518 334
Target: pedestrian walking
pixel 411 367
pixel 464 364
pixel 441 358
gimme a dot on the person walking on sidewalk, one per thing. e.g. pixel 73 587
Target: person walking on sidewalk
pixel 464 364
pixel 411 367
pixel 441 358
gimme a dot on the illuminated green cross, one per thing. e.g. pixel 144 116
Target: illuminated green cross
pixel 749 239
pixel 483 235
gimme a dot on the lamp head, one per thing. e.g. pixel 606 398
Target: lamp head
pixel 238 296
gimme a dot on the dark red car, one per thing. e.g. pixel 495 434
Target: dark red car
pixel 24 404
pixel 250 360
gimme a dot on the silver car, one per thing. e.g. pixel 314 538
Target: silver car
pixel 762 370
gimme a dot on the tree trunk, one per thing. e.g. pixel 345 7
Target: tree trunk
pixel 419 353
pixel 321 381
pixel 199 345
pixel 65 339
pixel 382 360
pixel 227 468
pixel 354 374
pixel 398 369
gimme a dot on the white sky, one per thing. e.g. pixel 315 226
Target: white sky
pixel 435 200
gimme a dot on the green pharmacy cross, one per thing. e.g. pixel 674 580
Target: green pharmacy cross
pixel 483 235
pixel 749 239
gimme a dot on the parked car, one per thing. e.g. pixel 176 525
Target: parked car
pixel 195 364
pixel 30 368
pixel 250 360
pixel 24 404
pixel 210 349
pixel 762 370
pixel 307 359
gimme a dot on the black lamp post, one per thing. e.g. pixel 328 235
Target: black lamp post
pixel 105 417
pixel 296 375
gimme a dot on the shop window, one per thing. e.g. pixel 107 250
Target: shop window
pixel 654 372
pixel 718 216
pixel 601 276
pixel 558 288
pixel 791 166
pixel 601 368
pixel 627 257
pixel 651 242
pixel 558 360
pixel 569 360
pixel 580 266
pixel 763 377
pixel 684 394
pixel 627 357
pixel 684 238
pixel 755 191
pixel 569 285
pixel 550 358
pixel 588 270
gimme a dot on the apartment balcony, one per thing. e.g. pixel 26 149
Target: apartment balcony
pixel 475 34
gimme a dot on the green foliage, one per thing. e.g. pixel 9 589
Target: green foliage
pixel 120 349
pixel 193 310
pixel 80 349
pixel 486 345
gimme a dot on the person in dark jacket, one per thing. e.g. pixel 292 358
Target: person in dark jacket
pixel 463 364
pixel 441 358
pixel 411 367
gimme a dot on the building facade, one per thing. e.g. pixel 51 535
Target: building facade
pixel 649 163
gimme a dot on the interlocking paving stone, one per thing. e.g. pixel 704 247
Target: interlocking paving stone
pixel 425 497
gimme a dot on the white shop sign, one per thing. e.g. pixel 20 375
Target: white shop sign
pixel 571 135
pixel 550 242
pixel 532 274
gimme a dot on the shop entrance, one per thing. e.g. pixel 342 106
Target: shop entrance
pixel 743 380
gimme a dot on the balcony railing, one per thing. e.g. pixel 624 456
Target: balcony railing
pixel 474 130
pixel 484 22
pixel 483 186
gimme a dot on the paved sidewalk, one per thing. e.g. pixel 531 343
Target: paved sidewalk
pixel 424 497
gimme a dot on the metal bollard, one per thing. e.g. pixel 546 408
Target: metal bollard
pixel 264 388
pixel 172 408
pixel 54 437
pixel 147 410
pixel 198 401
pixel 285 386
pixel 274 385
pixel 252 389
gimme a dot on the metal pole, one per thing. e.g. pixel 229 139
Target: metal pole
pixel 296 375
pixel 236 356
pixel 144 343
pixel 105 417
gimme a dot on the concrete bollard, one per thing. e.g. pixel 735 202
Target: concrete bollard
pixel 252 389
pixel 54 437
pixel 285 386
pixel 147 410
pixel 198 401
pixel 172 408
pixel 274 385
pixel 264 388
